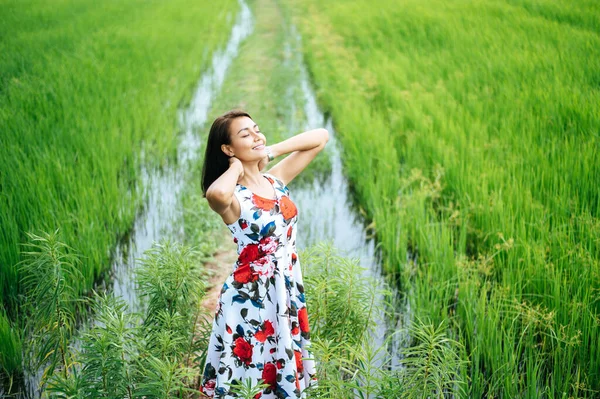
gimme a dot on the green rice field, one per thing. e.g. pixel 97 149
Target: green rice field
pixel 86 88
pixel 471 134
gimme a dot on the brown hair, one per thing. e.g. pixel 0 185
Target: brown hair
pixel 216 162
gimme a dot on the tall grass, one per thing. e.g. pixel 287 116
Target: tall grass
pixel 86 92
pixel 122 354
pixel 470 134
pixel 343 315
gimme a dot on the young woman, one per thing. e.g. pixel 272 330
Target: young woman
pixel 260 330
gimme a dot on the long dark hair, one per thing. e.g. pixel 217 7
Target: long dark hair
pixel 216 162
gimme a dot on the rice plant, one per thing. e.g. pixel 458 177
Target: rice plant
pixel 89 94
pixel 470 133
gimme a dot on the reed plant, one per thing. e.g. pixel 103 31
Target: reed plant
pixel 127 355
pixel 48 268
pixel 343 317
pixel 470 133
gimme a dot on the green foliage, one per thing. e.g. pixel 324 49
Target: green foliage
pixel 126 355
pixel 432 363
pixel 10 346
pixel 470 137
pixel 85 93
pixel 342 296
pixel 49 267
pixel 350 364
pixel 108 350
pixel 245 389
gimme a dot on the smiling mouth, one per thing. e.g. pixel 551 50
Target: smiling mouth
pixel 259 147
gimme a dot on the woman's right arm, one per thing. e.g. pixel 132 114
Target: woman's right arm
pixel 220 193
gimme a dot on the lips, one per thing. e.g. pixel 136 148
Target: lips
pixel 259 147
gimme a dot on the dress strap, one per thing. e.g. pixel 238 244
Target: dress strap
pixel 277 184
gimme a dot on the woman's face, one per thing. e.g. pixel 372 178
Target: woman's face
pixel 247 142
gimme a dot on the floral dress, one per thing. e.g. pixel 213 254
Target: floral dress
pixel 261 330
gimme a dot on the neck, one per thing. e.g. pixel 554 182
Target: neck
pixel 252 174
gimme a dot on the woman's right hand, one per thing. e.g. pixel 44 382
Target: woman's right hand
pixel 236 163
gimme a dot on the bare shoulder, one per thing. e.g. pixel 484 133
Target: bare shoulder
pixel 227 206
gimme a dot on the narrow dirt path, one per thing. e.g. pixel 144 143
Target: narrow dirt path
pixel 217 272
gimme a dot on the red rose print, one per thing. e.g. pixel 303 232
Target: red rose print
pixel 280 363
pixel 294 258
pixel 263 203
pixel 267 331
pixel 267 245
pixel 299 364
pixel 303 320
pixel 289 233
pixel 209 387
pixel 258 395
pixel 268 328
pixel 244 274
pixel 243 224
pixel 288 209
pixel 260 336
pixel 295 329
pixel 243 350
pixel 250 253
pixel 269 375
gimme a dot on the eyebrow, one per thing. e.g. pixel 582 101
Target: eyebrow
pixel 255 125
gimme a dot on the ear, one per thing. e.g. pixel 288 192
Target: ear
pixel 227 150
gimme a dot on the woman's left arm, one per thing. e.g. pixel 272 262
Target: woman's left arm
pixel 303 147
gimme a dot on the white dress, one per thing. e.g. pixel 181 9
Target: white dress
pixel 261 330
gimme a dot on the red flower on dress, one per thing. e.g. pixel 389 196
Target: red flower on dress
pixel 209 387
pixel 280 363
pixel 250 253
pixel 269 375
pixel 267 331
pixel 258 395
pixel 267 245
pixel 244 274
pixel 289 233
pixel 288 209
pixel 268 326
pixel 227 328
pixel 243 350
pixel 295 329
pixel 299 364
pixel 265 204
pixel 303 320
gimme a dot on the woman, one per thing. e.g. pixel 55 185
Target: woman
pixel 260 330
